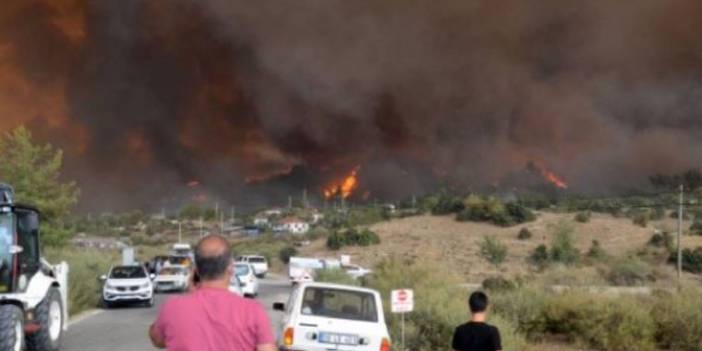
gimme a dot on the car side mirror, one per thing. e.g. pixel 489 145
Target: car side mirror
pixel 15 249
pixel 152 276
pixel 102 278
pixel 278 306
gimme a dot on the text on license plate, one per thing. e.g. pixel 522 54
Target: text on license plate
pixel 338 339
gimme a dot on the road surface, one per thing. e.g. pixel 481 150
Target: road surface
pixel 125 329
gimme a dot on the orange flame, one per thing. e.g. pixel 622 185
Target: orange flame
pixel 343 187
pixel 550 176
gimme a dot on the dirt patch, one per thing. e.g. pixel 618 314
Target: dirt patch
pixel 455 244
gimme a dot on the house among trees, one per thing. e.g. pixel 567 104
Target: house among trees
pixel 293 225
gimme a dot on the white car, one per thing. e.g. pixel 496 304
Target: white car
pixel 127 284
pixel 356 272
pixel 235 286
pixel 320 317
pixel 172 278
pixel 246 275
pixel 259 263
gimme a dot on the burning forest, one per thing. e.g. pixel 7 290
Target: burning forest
pixel 352 99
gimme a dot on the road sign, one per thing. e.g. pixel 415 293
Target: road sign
pixel 402 301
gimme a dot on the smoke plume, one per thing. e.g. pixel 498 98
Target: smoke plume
pixel 146 96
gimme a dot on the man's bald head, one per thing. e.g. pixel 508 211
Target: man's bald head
pixel 213 257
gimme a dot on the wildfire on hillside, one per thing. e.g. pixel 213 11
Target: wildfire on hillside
pixel 548 175
pixel 343 187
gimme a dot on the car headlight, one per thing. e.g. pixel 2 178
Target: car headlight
pixel 109 286
pixel 145 285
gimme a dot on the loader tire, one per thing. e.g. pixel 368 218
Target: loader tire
pixel 49 315
pixel 11 328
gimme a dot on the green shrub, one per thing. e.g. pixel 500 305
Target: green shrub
pixel 519 213
pixel 696 227
pixel 524 234
pixel 446 204
pixel 601 322
pixel 493 250
pixel 539 257
pixel 630 271
pixel 662 240
pixel 524 307
pixel 563 249
pixel 596 252
pixel 678 320
pixel 335 241
pixel 658 213
pixel 691 259
pixel 583 217
pixel 641 219
pixel 480 209
pixel 285 253
pixel 352 237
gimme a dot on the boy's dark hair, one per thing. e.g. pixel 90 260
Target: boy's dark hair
pixel 478 302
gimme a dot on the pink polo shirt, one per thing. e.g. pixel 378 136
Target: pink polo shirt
pixel 213 320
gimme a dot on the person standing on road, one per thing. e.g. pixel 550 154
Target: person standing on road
pixel 477 335
pixel 210 318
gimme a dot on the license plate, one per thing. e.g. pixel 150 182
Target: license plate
pixel 338 339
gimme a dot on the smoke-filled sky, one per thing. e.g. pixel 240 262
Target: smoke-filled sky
pixel 145 96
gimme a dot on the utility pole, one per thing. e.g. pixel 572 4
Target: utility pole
pixel 201 228
pixel 221 222
pixel 289 202
pixel 216 209
pixel 680 222
pixel 304 198
pixel 180 232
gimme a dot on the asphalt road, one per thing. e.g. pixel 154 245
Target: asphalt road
pixel 125 329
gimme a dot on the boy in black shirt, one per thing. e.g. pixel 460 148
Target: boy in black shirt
pixel 477 335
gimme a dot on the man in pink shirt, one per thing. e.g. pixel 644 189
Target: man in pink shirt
pixel 210 318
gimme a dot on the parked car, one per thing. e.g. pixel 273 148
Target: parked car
pixel 235 286
pixel 320 316
pixel 127 284
pixel 172 278
pixel 356 272
pixel 259 263
pixel 246 275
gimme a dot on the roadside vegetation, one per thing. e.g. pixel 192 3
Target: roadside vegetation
pixel 85 267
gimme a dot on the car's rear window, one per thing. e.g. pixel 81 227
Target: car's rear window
pixel 242 269
pixel 341 304
pixel 172 271
pixel 257 260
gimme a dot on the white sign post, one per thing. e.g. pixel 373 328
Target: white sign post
pixel 402 302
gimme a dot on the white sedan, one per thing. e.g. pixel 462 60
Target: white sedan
pixel 172 278
pixel 247 277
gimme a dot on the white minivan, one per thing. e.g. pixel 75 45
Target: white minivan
pixel 321 317
pixel 259 264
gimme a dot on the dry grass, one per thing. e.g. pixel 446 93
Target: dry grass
pixel 456 244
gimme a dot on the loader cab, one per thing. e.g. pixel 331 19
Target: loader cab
pixel 19 246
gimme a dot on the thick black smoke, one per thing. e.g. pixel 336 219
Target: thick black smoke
pixel 417 92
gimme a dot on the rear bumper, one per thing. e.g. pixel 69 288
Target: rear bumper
pixel 170 286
